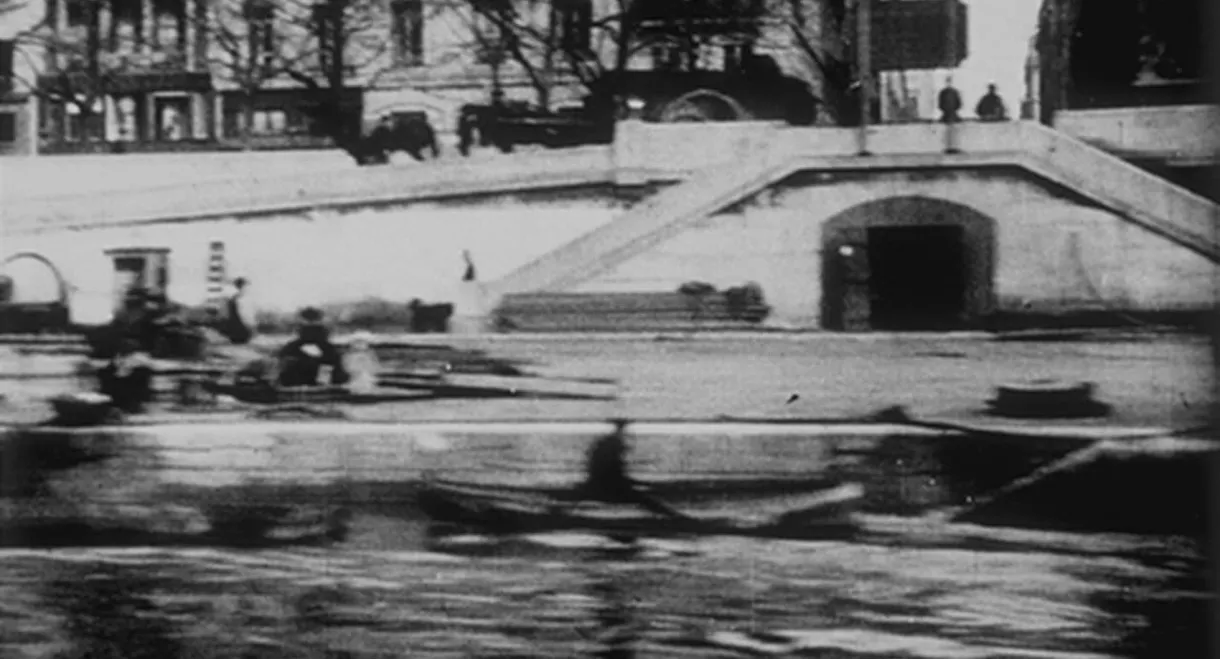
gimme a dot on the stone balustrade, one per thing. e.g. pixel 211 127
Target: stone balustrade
pixel 1186 134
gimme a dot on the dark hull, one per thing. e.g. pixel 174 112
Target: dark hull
pixel 826 514
pixel 30 524
pixel 315 394
pixel 696 491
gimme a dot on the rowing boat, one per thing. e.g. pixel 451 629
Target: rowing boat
pixel 321 394
pixel 822 514
pixel 687 490
pixel 57 522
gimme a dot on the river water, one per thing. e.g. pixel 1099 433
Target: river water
pixel 387 595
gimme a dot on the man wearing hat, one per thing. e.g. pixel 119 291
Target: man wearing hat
pixel 302 359
pixel 237 324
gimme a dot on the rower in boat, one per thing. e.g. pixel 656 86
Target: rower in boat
pixel 607 481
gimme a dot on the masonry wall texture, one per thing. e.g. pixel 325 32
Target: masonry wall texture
pixel 395 252
pixel 1052 253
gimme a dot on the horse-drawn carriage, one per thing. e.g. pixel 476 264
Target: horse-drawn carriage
pixel 757 90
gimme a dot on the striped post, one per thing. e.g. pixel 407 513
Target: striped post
pixel 216 273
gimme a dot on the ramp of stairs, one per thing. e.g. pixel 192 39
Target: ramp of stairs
pixel 1142 198
pixel 653 221
pixel 281 192
pixel 1145 199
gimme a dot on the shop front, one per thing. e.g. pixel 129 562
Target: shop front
pixel 134 112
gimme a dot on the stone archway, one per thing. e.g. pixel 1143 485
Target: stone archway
pixel 703 105
pixel 31 271
pixel 907 262
pixel 36 298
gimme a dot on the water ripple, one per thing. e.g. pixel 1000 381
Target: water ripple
pixel 717 597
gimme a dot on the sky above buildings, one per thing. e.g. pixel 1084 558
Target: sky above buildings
pixel 998 44
pixel 999 34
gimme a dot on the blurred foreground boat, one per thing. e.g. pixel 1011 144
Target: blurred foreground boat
pixel 59 523
pixel 818 515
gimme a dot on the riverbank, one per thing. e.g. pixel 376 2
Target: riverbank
pixel 1166 382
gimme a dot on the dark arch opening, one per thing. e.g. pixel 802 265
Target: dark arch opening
pixel 907 263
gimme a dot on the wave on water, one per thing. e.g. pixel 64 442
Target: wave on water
pixel 570 595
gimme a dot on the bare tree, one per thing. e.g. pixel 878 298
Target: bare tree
pixel 562 37
pixel 248 49
pixel 568 38
pixel 500 35
pixel 74 66
pixel 349 36
pixel 322 46
pixel 832 54
pixel 8 7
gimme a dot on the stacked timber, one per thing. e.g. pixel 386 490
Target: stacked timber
pixel 627 312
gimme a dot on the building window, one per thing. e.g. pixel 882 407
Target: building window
pixel 327 20
pixel 274 115
pixel 8 127
pixel 408 31
pixel 490 43
pixel 169 24
pixel 573 22
pixel 269 122
pixel 74 124
pixel 260 17
pixel 7 47
pixel 125 27
pixel 78 12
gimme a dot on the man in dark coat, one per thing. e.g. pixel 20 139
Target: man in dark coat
pixel 950 103
pixel 302 359
pixel 991 106
pixel 236 322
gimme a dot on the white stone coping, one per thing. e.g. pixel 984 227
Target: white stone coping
pixel 280 193
pixel 1187 133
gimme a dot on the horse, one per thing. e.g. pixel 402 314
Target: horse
pixel 412 134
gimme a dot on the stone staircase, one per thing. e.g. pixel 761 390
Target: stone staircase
pixel 1147 200
pixel 529 293
pixel 649 223
pixel 1144 199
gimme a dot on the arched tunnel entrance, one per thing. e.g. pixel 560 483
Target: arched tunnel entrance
pixel 907 264
pixel 33 295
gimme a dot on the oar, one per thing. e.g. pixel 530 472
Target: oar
pixel 815 510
